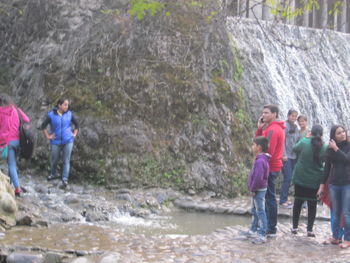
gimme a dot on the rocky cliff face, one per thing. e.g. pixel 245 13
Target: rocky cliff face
pixel 158 99
pixel 167 100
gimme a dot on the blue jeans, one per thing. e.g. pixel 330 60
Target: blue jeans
pixel 259 219
pixel 340 197
pixel 287 171
pixel 11 162
pixel 66 151
pixel 332 224
pixel 271 203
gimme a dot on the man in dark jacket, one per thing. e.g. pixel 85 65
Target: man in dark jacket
pixel 273 130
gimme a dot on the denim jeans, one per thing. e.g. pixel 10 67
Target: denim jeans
pixel 341 231
pixel 287 171
pixel 340 197
pixel 11 162
pixel 271 203
pixel 259 219
pixel 56 151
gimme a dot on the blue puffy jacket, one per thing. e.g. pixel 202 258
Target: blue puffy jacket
pixel 61 126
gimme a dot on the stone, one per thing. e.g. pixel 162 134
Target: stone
pixel 25 221
pixel 125 196
pixel 54 257
pixel 18 257
pixel 8 206
pixel 81 260
pixel 109 258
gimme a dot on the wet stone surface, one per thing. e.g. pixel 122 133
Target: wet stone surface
pixel 82 226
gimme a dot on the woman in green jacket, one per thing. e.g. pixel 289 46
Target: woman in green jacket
pixel 307 176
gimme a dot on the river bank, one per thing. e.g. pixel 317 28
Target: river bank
pixel 80 224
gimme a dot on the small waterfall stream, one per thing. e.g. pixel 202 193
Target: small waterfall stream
pixel 294 67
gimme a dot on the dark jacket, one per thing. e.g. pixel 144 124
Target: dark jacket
pixel 337 165
pixel 274 132
pixel 260 172
pixel 61 126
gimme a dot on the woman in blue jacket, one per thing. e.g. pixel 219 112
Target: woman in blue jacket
pixel 61 137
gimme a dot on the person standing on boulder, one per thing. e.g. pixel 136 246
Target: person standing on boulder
pixel 273 130
pixel 9 135
pixel 61 137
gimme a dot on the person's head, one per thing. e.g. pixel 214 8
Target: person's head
pixel 260 145
pixel 317 130
pixel 316 142
pixel 292 115
pixel 338 134
pixel 5 100
pixel 302 121
pixel 270 113
pixel 62 105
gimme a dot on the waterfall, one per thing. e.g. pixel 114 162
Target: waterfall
pixel 294 67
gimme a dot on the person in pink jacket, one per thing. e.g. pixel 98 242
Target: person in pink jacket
pixel 9 135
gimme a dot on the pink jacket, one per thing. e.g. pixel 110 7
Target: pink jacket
pixel 9 123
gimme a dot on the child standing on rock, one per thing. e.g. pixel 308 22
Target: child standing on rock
pixel 257 185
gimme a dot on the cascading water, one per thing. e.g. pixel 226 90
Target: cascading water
pixel 294 67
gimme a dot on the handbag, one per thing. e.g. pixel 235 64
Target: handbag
pixel 26 138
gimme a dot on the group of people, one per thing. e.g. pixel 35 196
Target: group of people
pixel 63 130
pixel 319 171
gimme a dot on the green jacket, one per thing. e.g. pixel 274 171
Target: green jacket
pixel 307 172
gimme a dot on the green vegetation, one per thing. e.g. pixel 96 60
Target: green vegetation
pixel 140 8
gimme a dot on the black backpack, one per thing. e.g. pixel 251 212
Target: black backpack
pixel 26 138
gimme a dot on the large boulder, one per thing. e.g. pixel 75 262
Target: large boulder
pixel 8 206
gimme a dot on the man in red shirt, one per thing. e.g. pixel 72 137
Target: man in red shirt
pixel 273 130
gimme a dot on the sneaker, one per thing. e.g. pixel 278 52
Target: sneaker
pixel 310 234
pixel 271 233
pixel 52 177
pixel 259 239
pixel 248 233
pixel 18 191
pixel 64 184
pixel 294 231
pixel 286 205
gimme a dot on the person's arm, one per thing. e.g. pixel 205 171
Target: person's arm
pixel 45 131
pixel 25 118
pixel 257 175
pixel 298 146
pixel 339 154
pixel 326 174
pixel 76 125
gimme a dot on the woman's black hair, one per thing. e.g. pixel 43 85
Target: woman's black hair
pixel 316 142
pixel 5 100
pixel 61 101
pixel 333 130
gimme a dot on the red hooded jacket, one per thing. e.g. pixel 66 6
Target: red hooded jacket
pixel 274 132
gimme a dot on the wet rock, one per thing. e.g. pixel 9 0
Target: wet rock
pixel 8 206
pixel 81 260
pixel 95 216
pixel 71 199
pixel 123 191
pixel 144 213
pixel 41 189
pixel 54 257
pixel 24 258
pixel 25 221
pixel 40 223
pixel 191 192
pixel 126 197
pixel 110 258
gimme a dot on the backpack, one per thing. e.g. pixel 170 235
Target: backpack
pixel 26 138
